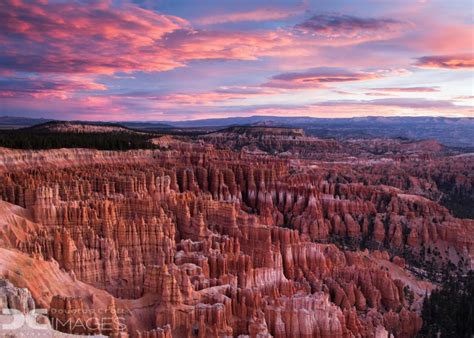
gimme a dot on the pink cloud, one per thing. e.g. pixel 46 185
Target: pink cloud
pixel 401 102
pixel 203 44
pixel 200 98
pixel 100 39
pixel 407 89
pixel 379 107
pixel 439 37
pixel 464 97
pixel 338 29
pixel 94 38
pixel 69 44
pixel 378 94
pixel 318 78
pixel 447 61
pixel 255 15
pixel 45 87
pixel 335 24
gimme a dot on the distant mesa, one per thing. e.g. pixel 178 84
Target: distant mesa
pixel 264 130
pixel 48 125
pixel 79 127
pixel 452 132
pixel 12 122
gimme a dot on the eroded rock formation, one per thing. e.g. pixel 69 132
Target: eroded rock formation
pixel 194 241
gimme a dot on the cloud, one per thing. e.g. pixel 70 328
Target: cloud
pixel 447 61
pixel 437 35
pixel 395 102
pixel 351 108
pixel 109 107
pixel 102 38
pixel 464 97
pixel 69 37
pixel 55 55
pixel 378 94
pixel 337 29
pixel 317 78
pixel 36 87
pixel 189 45
pixel 407 89
pixel 204 98
pixel 255 15
pixel 337 24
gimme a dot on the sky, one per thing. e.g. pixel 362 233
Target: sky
pixel 165 60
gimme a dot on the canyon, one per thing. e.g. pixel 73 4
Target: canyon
pixel 242 232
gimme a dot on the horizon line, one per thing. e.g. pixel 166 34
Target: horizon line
pixel 243 117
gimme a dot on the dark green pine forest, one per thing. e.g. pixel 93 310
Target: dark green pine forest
pixel 449 310
pixel 29 139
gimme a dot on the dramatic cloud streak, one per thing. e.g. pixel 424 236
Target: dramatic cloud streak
pixel 41 88
pixel 211 97
pixel 188 45
pixel 385 107
pixel 98 38
pixel 338 29
pixel 317 78
pixel 255 15
pixel 335 25
pixel 447 61
pixel 407 89
pixel 284 83
pixel 124 60
pixel 73 38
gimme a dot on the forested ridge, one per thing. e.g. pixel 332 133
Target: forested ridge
pixel 29 139
pixel 449 310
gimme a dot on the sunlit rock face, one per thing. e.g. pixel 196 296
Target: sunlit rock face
pixel 213 238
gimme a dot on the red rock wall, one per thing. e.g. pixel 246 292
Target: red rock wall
pixel 220 245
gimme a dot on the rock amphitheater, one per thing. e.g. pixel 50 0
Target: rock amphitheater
pixel 212 239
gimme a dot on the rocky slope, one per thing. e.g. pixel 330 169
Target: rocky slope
pixel 205 239
pixel 294 143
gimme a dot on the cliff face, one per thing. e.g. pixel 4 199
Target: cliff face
pixel 287 142
pixel 12 297
pixel 200 242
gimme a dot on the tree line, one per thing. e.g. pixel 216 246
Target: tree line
pixel 28 139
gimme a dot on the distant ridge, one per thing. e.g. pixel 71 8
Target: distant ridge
pixel 449 131
pixel 9 122
pixel 258 130
pixel 454 132
pixel 80 127
pixel 295 120
pixel 248 120
pixel 12 122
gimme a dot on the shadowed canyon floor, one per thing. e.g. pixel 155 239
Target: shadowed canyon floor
pixel 251 231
